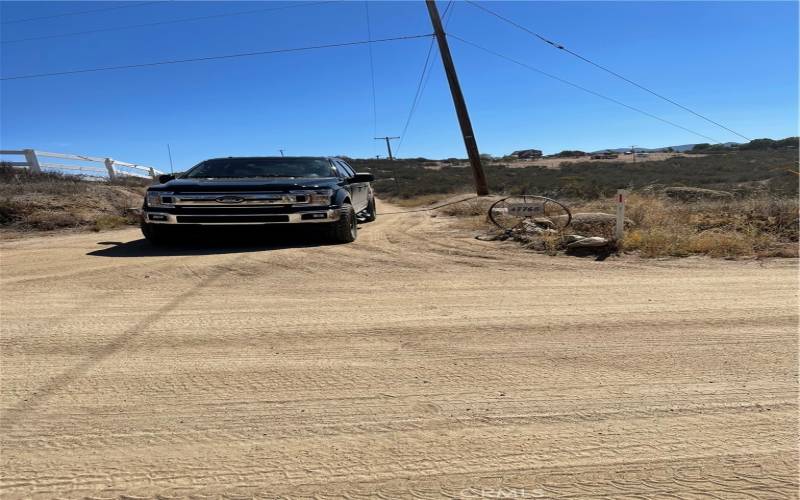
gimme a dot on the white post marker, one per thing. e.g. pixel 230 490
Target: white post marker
pixel 32 159
pixel 619 232
pixel 110 167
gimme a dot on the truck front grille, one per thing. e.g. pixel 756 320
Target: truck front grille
pixel 238 199
pixel 230 219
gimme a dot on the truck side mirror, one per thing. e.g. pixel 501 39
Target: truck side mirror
pixel 362 177
pixel 164 178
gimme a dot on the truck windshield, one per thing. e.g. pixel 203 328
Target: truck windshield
pixel 261 167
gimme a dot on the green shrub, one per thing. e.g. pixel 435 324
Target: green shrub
pixel 739 171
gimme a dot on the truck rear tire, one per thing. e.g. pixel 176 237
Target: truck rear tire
pixel 345 230
pixel 369 215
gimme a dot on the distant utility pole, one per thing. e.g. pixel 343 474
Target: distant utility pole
pixel 388 144
pixel 633 152
pixel 481 186
pixel 281 152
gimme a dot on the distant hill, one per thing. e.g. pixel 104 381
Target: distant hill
pixel 679 149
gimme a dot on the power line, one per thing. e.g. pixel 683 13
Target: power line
pixel 173 21
pixel 372 72
pixel 604 68
pixel 14 21
pixel 212 58
pixel 580 87
pixel 416 96
pixel 423 78
pixel 447 12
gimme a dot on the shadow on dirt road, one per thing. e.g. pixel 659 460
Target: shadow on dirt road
pixel 213 243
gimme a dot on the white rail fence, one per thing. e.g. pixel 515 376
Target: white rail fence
pixel 111 167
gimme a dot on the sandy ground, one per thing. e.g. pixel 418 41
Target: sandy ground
pixel 416 362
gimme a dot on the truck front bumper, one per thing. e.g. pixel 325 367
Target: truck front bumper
pixel 234 219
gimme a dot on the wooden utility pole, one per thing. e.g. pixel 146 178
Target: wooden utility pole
pixel 633 152
pixel 458 100
pixel 388 144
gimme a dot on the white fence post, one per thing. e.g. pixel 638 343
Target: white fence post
pixel 32 160
pixel 619 232
pixel 110 167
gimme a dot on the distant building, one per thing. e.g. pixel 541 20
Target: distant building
pixel 608 155
pixel 527 154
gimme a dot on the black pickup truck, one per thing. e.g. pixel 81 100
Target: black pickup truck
pixel 323 192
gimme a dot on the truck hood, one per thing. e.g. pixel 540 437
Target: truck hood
pixel 229 185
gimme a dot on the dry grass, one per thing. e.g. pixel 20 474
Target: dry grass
pixel 46 202
pixel 551 242
pixel 104 222
pixel 761 226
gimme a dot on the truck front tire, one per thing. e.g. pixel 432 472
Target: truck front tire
pixel 345 230
pixel 154 233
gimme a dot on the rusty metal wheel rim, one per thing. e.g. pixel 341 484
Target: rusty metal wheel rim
pixel 525 197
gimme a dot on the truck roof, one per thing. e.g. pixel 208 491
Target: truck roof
pixel 274 157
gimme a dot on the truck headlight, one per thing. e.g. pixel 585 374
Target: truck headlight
pixel 159 199
pixel 320 197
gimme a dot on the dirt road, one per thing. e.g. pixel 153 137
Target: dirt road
pixel 416 362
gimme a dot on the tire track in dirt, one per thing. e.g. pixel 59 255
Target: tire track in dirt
pixel 40 395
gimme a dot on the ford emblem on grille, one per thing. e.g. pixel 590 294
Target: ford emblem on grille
pixel 230 199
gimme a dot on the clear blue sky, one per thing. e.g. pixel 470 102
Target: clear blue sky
pixel 737 62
